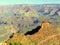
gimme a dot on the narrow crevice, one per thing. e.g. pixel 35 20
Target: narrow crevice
pixel 11 35
pixel 33 31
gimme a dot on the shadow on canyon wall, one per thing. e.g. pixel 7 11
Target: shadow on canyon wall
pixel 33 31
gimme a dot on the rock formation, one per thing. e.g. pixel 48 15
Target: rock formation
pixel 45 35
pixel 45 24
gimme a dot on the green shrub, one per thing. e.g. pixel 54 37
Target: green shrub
pixel 16 43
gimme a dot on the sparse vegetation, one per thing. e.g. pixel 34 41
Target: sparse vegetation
pixel 16 43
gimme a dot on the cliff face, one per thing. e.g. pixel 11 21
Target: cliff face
pixel 47 34
pixel 43 32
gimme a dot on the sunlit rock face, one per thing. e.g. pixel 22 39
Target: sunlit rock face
pixel 3 43
pixel 45 24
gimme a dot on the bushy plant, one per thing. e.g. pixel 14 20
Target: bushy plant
pixel 16 43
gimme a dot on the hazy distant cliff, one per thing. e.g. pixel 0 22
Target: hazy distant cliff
pixel 24 18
